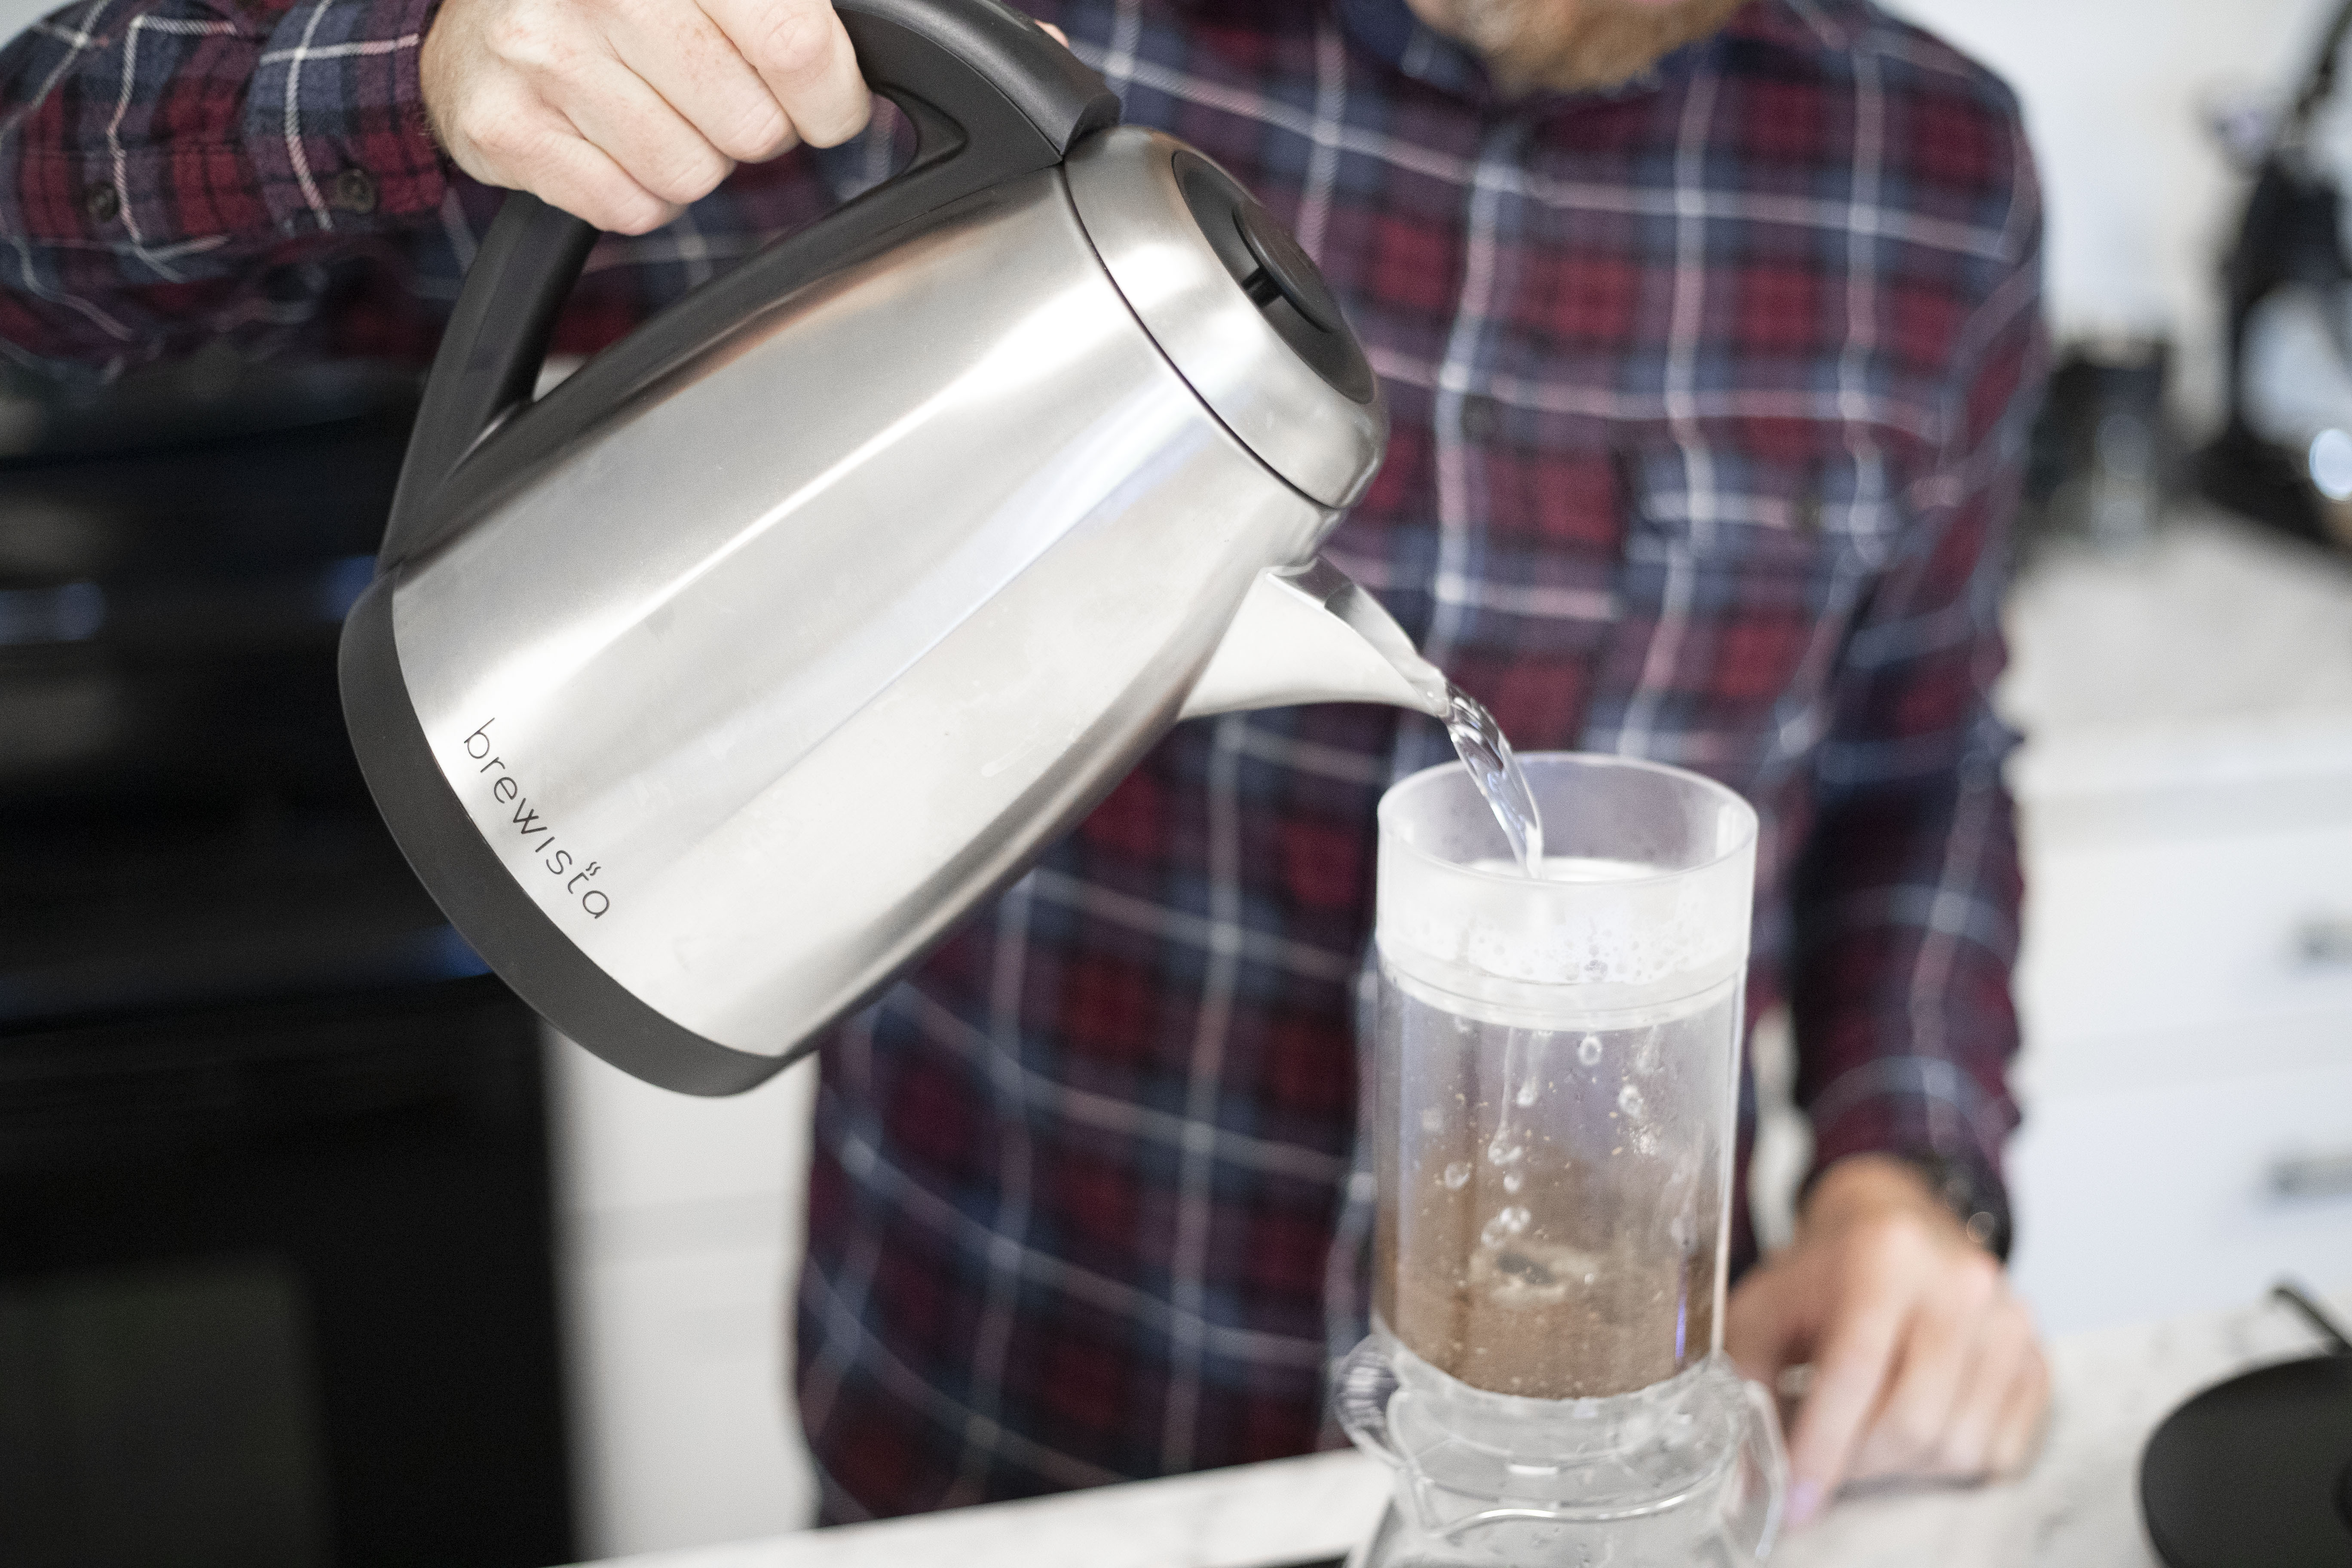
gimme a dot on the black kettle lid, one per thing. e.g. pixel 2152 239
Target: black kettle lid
pixel 2256 1472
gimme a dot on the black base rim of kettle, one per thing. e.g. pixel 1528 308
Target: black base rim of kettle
pixel 528 951
pixel 2256 1471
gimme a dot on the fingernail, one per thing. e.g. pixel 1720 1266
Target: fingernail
pixel 1804 1501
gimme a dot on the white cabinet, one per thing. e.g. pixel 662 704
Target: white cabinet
pixel 2208 937
pixel 2148 1199
pixel 682 1237
pixel 2186 806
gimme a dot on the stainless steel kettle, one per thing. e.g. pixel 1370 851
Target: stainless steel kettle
pixel 708 691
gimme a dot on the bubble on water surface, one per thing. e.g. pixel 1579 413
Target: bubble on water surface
pixel 1589 1052
pixel 1629 1101
pixel 1504 1226
pixel 1458 1175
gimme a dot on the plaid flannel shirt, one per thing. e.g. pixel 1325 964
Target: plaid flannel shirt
pixel 1708 401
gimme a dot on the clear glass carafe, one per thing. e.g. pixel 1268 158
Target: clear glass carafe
pixel 1556 1113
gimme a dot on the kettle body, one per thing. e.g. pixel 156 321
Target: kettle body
pixel 708 692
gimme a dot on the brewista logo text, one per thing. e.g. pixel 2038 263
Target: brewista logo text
pixel 535 830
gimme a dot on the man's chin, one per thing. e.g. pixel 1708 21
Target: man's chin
pixel 1574 46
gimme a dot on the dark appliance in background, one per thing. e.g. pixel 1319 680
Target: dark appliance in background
pixel 2284 456
pixel 2103 465
pixel 2256 1471
pixel 276 1284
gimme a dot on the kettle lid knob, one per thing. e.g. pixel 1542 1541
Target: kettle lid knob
pixel 1284 268
pixel 1275 271
pixel 1238 307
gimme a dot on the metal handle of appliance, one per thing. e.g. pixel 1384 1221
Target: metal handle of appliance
pixel 2324 1176
pixel 992 96
pixel 2323 1322
pixel 2324 940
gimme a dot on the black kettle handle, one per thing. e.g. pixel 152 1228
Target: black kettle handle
pixel 992 96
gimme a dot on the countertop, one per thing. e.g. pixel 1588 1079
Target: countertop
pixel 2078 1508
pixel 2214 649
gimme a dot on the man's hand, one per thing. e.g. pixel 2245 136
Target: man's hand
pixel 623 112
pixel 1924 1364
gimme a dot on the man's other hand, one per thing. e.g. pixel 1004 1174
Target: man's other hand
pixel 1922 1363
pixel 623 112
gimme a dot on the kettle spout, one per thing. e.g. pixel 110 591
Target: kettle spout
pixel 1309 634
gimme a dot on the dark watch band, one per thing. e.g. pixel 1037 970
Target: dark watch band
pixel 1973 1196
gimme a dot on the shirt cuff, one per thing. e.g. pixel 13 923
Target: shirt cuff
pixel 335 117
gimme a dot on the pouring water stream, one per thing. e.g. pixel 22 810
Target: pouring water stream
pixel 1308 633
pixel 1483 750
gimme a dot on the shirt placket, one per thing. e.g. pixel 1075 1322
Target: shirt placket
pixel 1464 416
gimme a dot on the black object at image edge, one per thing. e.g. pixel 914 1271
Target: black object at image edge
pixel 518 939
pixel 2212 1495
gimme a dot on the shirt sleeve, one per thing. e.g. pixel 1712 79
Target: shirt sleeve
pixel 1906 903
pixel 158 158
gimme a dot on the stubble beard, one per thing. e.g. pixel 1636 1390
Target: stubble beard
pixel 1572 45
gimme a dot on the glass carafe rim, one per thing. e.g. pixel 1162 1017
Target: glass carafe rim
pixel 1394 804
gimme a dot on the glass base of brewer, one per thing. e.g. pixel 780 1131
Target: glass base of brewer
pixel 1688 1473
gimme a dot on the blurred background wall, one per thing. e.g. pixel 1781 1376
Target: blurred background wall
pixel 2120 96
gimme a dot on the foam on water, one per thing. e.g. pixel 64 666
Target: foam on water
pixel 1669 937
pixel 1570 868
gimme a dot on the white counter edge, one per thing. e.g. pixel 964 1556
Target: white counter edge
pixel 1282 1512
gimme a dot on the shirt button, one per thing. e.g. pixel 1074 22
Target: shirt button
pixel 100 202
pixel 1479 417
pixel 355 191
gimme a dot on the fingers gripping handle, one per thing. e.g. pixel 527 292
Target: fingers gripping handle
pixel 992 96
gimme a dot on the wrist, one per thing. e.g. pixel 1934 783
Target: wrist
pixel 439 50
pixel 1866 1187
pixel 1948 1194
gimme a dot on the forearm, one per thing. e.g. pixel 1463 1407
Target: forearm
pixel 1905 906
pixel 160 158
pixel 1908 934
pixel 1904 918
